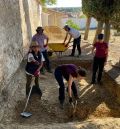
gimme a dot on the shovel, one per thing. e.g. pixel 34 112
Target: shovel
pixel 24 113
pixel 74 107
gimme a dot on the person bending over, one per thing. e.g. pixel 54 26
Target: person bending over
pixel 73 33
pixel 70 72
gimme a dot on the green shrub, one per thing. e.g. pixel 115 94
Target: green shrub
pixel 72 25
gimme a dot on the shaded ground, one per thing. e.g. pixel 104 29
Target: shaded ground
pixel 95 102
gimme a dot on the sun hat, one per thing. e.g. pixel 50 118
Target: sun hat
pixel 34 44
pixel 39 28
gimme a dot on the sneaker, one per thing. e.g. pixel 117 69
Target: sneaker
pixel 61 104
pixel 93 82
pixel 100 83
pixel 77 97
pixel 49 71
pixel 78 56
pixel 42 72
pixel 71 55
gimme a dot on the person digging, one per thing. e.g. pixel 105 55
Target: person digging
pixel 34 64
pixel 70 72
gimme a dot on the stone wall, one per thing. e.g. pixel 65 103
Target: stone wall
pixel 18 21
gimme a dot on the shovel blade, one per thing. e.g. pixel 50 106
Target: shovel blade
pixel 26 114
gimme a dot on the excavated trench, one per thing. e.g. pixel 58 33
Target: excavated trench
pixel 95 101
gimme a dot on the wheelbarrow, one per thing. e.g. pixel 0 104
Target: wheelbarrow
pixel 58 48
pixel 56 37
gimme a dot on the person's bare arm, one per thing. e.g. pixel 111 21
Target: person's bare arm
pixel 70 39
pixel 93 49
pixel 106 56
pixel 47 40
pixel 41 64
pixel 70 85
pixel 65 38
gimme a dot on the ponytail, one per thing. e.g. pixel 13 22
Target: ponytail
pixel 82 72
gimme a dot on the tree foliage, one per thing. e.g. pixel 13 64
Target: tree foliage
pixel 99 9
pixel 103 10
pixel 115 18
pixel 47 2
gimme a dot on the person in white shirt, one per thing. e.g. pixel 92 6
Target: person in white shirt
pixel 34 64
pixel 75 34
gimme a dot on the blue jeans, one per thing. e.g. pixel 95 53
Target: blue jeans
pixel 45 55
pixel 59 78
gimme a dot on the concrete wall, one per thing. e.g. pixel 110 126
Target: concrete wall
pixel 18 22
pixel 52 18
pixel 45 19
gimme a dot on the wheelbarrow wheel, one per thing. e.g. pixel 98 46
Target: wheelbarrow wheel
pixel 50 53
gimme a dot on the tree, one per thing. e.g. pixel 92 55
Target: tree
pixel 102 11
pixel 87 28
pixel 115 18
pixel 98 31
pixel 86 10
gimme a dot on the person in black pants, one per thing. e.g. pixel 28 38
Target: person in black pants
pixel 34 64
pixel 76 42
pixel 101 53
pixel 70 72
pixel 73 33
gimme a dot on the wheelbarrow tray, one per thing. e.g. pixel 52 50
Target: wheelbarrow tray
pixel 57 47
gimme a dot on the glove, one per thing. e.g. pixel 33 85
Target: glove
pixel 76 97
pixel 45 45
pixel 66 45
pixel 70 100
pixel 37 73
pixel 37 63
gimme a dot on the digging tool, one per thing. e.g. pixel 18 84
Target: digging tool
pixel 74 107
pixel 24 113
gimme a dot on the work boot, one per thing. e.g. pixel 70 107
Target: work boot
pixel 93 82
pixel 76 97
pixel 42 71
pixel 49 71
pixel 71 55
pixel 37 90
pixel 100 83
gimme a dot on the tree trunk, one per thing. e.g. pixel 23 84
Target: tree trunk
pixel 98 31
pixel 107 31
pixel 87 28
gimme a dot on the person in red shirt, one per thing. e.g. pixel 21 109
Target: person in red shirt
pixel 100 50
